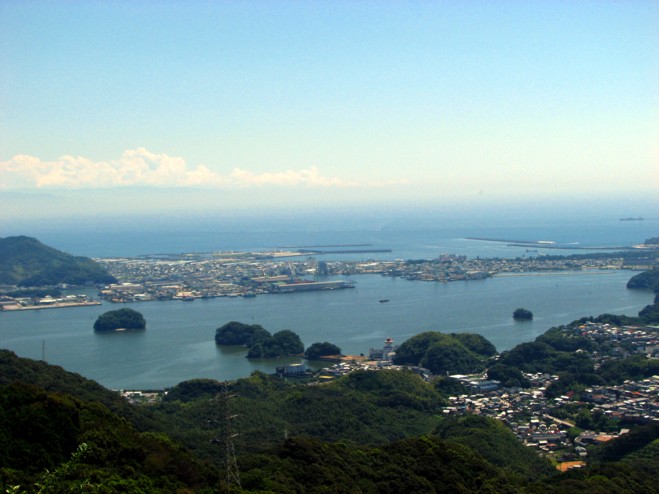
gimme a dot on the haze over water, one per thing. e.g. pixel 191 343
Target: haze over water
pixel 178 343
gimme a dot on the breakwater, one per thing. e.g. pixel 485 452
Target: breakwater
pixel 547 244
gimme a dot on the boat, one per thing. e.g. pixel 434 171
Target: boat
pixel 383 300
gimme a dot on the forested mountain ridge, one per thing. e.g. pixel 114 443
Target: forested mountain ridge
pixel 40 432
pixel 53 378
pixel 368 432
pixel 25 261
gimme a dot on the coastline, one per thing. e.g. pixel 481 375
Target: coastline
pixel 63 305
pixel 557 273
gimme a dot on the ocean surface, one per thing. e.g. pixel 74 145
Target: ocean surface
pixel 178 343
pixel 417 237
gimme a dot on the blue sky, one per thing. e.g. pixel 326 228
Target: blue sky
pixel 329 101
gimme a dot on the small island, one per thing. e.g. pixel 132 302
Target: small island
pixel 120 320
pixel 259 342
pixel 522 314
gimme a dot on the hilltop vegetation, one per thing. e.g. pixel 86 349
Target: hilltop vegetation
pixel 414 465
pixel 360 408
pixel 46 413
pixel 55 379
pixel 41 429
pixel 522 314
pixel 259 342
pixel 323 349
pixel 237 333
pixel 646 279
pixel 119 319
pixel 461 353
pixel 367 432
pixel 495 442
pixel 24 261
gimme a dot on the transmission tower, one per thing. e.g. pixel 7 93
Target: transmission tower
pixel 226 419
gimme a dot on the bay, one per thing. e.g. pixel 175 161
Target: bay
pixel 178 343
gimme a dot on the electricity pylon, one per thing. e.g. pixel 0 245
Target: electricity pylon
pixel 226 419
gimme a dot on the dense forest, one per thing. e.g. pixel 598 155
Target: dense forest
pixel 259 342
pixel 367 432
pixel 646 279
pixel 24 261
pixel 120 319
pixel 522 314
pixel 441 353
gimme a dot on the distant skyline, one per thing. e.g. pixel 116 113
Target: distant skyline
pixel 270 104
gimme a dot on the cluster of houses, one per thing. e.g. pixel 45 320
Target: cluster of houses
pixel 246 274
pixel 532 416
pixel 625 340
pixel 631 402
pixel 448 267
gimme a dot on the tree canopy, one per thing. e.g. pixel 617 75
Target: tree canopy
pixel 366 432
pixel 509 376
pixel 280 344
pixel 238 333
pixel 323 349
pixel 25 261
pixel 259 342
pixel 646 279
pixel 495 442
pixel 120 319
pixel 522 314
pixel 441 353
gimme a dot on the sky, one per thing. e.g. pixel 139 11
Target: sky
pixel 111 106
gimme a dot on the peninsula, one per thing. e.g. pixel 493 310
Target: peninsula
pixel 24 261
pixel 190 277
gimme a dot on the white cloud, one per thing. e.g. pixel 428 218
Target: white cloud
pixel 310 177
pixel 140 167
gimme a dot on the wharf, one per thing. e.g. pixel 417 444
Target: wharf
pixel 60 305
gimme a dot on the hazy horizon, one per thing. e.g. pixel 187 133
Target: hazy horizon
pixel 125 210
pixel 177 108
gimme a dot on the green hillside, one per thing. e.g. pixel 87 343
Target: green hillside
pixel 41 431
pixel 462 353
pixel 369 432
pixel 55 379
pixel 25 261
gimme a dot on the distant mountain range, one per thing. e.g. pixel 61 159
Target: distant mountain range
pixel 24 261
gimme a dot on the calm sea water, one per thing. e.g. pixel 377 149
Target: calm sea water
pixel 178 343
